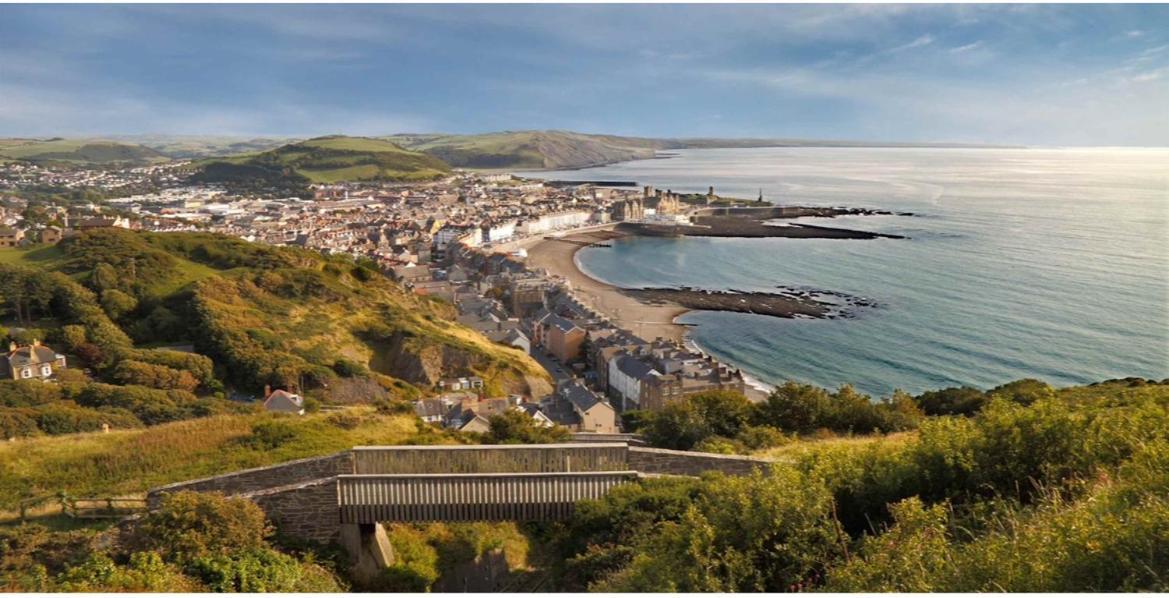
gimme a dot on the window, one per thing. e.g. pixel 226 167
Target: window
pixel 46 370
pixel 26 373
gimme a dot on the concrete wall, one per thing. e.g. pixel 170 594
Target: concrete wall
pixel 261 478
pixel 663 461
pixel 308 510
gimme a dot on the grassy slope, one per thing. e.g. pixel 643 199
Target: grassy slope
pixel 318 328
pixel 79 151
pixel 131 461
pixel 529 149
pixel 333 159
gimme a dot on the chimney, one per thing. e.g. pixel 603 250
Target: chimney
pixel 11 346
pixel 267 391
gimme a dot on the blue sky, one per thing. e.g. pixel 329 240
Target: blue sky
pixel 1034 74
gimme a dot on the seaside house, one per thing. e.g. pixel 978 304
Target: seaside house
pixel 282 401
pixel 560 336
pixel 35 361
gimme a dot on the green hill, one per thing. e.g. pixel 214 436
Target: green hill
pixel 254 315
pixel 196 147
pixel 529 149
pixel 80 152
pixel 323 160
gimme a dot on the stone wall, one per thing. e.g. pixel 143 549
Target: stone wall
pixel 306 511
pixel 663 461
pixel 261 478
pixel 500 458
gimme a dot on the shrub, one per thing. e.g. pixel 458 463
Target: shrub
pixel 154 376
pixel 516 427
pixel 951 401
pixel 249 570
pixel 193 525
pixel 271 434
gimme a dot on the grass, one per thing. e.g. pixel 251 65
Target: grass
pixel 82 151
pixel 129 462
pixel 804 447
pixel 339 158
pixel 356 144
pixel 44 256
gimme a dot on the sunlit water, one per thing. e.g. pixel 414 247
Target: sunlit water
pixel 1020 263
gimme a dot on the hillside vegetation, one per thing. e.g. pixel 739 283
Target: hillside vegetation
pixel 79 152
pixel 168 324
pixel 529 149
pixel 322 160
pixel 1040 491
pixel 129 462
pixel 1029 488
pixel 194 147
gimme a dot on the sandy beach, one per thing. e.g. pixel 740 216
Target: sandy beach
pixel 647 321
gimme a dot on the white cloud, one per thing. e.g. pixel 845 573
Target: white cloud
pixel 967 47
pixel 924 40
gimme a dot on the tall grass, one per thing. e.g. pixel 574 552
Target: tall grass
pixel 132 461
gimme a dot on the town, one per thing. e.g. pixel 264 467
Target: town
pixel 462 240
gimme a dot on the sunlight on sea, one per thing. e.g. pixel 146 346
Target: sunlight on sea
pixel 1020 263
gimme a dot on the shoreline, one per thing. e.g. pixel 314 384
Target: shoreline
pixel 558 257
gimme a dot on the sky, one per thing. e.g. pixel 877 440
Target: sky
pixel 1020 74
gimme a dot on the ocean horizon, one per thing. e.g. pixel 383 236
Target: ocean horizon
pixel 1043 263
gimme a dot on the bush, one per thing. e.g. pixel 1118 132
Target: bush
pixel 250 570
pixel 348 369
pixel 517 427
pixel 193 525
pixel 154 376
pixel 271 434
pixel 951 401
pixel 1023 392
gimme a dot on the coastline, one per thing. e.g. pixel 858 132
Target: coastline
pixel 649 321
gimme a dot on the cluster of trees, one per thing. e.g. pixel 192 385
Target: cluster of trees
pixel 725 421
pixel 1055 495
pixel 31 408
pixel 192 543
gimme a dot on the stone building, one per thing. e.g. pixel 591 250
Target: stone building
pixel 35 361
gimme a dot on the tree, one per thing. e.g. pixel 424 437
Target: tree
pixel 117 304
pixel 517 427
pixel 951 401
pixel 800 408
pixel 193 525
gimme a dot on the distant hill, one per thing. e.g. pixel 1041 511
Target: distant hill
pixel 80 152
pixel 194 147
pixel 555 150
pixel 530 149
pixel 323 160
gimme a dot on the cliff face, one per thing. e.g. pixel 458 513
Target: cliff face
pixel 424 363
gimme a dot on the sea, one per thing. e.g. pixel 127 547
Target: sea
pixel 1019 263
